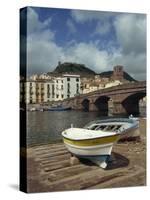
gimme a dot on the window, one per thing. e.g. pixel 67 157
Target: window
pixel 37 87
pixel 57 96
pixel 68 91
pixel 68 85
pixel 77 91
pixel 68 95
pixel 62 96
pixel 62 87
pixel 53 89
pixel 42 86
pixel 77 79
pixel 68 88
pixel 48 89
pixel 62 81
pixel 30 84
pixel 68 79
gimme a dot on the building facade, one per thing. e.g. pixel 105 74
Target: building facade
pixel 48 90
pixel 71 85
pixel 38 91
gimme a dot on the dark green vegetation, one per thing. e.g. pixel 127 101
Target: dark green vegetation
pixel 73 68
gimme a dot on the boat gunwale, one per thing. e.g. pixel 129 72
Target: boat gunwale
pixel 117 134
pixel 125 120
pixel 135 125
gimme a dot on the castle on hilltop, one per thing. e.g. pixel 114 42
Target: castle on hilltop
pixel 118 73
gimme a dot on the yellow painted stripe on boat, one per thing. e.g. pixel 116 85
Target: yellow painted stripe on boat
pixel 92 142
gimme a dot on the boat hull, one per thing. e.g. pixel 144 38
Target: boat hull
pixel 97 150
pixel 59 109
pixel 91 147
pixel 132 134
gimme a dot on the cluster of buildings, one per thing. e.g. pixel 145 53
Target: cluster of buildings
pixel 97 83
pixel 101 82
pixel 46 88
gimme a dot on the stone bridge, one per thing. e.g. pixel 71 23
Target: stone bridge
pixel 122 99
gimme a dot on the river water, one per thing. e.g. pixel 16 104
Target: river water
pixel 46 127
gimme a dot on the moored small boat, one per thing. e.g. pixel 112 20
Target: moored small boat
pixel 127 127
pixel 40 109
pixel 58 108
pixel 32 109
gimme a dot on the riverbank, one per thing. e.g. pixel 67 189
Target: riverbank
pixel 49 168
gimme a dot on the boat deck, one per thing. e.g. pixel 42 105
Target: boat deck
pixel 49 168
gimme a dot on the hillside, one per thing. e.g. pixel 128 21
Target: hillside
pixel 82 70
pixel 73 68
pixel 108 74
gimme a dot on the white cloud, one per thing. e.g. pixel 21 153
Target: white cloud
pixel 102 28
pixel 35 26
pixel 84 15
pixel 43 53
pixel 71 26
pixel 131 36
pixel 89 55
pixel 131 32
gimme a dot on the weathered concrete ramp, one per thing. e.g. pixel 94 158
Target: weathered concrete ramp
pixel 49 168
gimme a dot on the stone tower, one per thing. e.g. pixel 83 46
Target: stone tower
pixel 59 63
pixel 117 72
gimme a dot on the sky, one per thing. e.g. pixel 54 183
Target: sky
pixel 100 40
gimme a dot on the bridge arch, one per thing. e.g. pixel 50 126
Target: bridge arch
pixel 102 104
pixel 131 103
pixel 85 104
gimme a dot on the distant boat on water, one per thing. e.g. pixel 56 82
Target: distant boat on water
pixel 32 109
pixel 58 108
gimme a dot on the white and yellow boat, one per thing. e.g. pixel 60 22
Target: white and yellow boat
pixel 96 139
